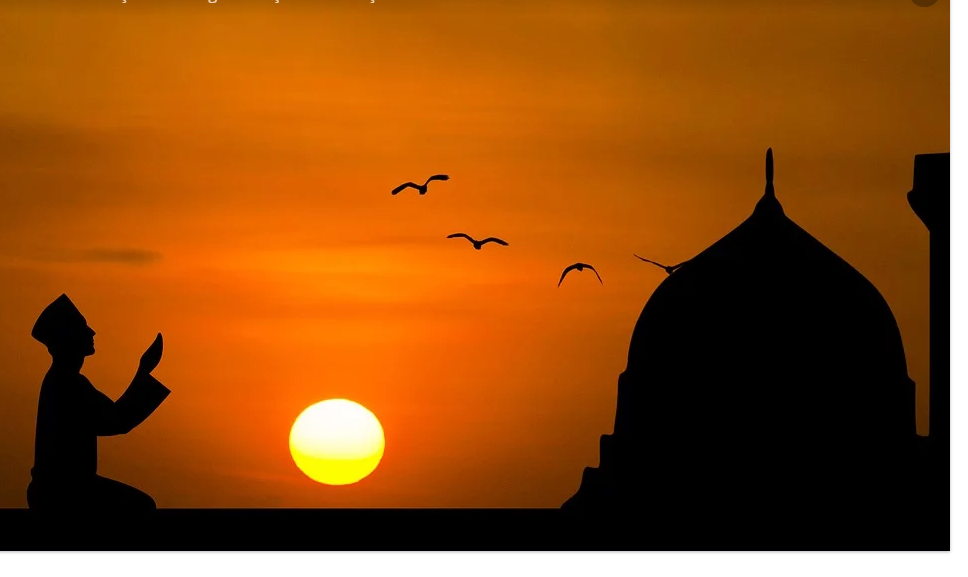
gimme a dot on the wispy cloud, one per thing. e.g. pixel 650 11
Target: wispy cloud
pixel 120 256
pixel 123 256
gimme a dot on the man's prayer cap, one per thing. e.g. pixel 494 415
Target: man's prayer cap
pixel 59 318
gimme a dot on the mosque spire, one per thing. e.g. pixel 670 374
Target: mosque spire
pixel 769 204
pixel 769 174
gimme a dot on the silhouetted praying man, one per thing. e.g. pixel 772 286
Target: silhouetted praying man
pixel 72 414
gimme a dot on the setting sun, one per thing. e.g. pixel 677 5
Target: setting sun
pixel 336 442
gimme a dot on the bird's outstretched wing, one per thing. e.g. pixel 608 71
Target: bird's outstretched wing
pixel 591 268
pixel 568 269
pixel 650 261
pixel 437 177
pixel 494 239
pixel 403 186
pixel 460 235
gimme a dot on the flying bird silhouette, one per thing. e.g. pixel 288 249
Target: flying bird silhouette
pixel 421 188
pixel 579 266
pixel 668 269
pixel 478 243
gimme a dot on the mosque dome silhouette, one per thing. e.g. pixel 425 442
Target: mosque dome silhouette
pixel 766 371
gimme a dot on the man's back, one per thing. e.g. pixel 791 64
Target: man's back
pixel 65 446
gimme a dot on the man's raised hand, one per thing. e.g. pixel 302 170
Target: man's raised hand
pixel 152 356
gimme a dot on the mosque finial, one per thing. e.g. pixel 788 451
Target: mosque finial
pixel 769 173
pixel 769 204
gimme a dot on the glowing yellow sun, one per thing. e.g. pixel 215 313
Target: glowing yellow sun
pixel 336 442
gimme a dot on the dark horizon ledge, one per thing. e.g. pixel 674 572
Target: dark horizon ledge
pixel 449 530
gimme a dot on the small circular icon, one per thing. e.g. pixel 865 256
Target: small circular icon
pixel 924 3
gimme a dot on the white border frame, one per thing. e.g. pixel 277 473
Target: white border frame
pixel 587 564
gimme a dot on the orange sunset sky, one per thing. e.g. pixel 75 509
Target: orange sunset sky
pixel 221 173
